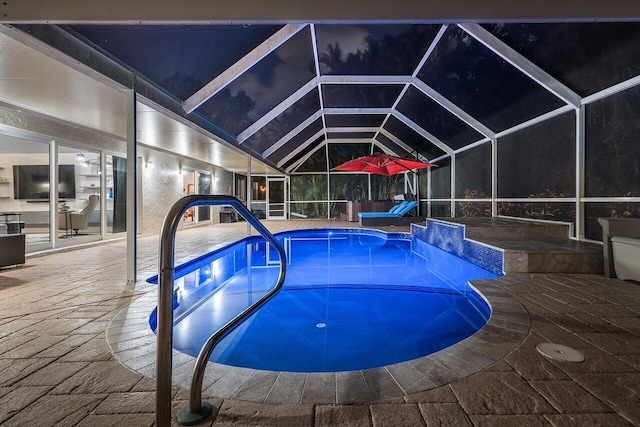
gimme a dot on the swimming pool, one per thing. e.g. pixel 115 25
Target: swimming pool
pixel 353 299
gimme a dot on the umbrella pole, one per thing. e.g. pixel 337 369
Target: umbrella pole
pixel 416 182
pixel 395 183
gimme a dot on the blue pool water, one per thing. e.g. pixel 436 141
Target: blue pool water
pixel 352 299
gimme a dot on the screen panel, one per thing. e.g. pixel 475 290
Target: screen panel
pixel 482 84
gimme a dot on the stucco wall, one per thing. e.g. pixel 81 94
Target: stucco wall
pixel 162 184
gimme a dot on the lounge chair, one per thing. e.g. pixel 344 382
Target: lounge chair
pixel 394 209
pixel 397 215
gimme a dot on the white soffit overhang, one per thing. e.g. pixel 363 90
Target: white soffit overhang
pixel 157 130
pixel 33 80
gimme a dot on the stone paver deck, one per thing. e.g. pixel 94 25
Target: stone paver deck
pixel 58 368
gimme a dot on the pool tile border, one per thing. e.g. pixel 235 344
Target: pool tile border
pixel 450 237
pixel 134 344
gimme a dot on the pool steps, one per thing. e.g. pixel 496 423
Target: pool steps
pixel 534 247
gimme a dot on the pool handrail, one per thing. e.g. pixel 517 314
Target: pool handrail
pixel 197 410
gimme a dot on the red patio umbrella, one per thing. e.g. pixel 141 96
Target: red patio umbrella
pixel 381 164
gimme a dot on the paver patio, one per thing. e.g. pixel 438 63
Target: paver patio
pixel 57 367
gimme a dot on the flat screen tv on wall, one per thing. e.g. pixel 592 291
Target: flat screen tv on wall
pixel 31 182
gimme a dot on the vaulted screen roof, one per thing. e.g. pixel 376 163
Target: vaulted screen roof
pixel 282 91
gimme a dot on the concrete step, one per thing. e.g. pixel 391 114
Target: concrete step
pixel 549 256
pixel 502 228
pixel 534 247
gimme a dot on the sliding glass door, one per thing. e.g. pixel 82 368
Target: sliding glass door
pixel 80 183
pixel 87 204
pixel 25 180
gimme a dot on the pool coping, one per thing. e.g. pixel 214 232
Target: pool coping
pixel 133 344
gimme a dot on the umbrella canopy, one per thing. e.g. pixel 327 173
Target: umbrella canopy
pixel 381 164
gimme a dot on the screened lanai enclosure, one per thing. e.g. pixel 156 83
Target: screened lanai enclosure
pixel 538 121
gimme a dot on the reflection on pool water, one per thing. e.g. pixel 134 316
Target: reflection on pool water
pixel 352 299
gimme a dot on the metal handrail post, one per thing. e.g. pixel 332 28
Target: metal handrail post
pixel 197 410
pixel 164 329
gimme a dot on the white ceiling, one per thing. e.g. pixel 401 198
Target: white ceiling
pixel 31 78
